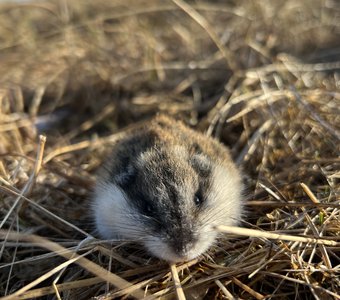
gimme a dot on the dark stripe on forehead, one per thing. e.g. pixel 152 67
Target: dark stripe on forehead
pixel 128 150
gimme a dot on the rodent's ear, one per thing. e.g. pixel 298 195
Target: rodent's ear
pixel 202 164
pixel 126 176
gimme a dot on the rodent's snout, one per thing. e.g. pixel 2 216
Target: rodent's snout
pixel 182 243
pixel 182 246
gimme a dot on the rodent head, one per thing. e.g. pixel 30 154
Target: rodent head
pixel 169 199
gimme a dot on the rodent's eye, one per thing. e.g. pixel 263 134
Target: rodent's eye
pixel 198 199
pixel 148 208
pixel 127 177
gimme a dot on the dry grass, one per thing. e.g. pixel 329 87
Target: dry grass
pixel 261 76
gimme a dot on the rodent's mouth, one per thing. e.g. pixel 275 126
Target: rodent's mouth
pixel 161 249
pixel 177 258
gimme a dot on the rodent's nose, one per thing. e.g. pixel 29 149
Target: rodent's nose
pixel 183 243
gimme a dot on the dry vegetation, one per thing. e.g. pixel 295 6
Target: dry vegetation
pixel 262 76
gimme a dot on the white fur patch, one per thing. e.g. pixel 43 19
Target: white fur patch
pixel 113 215
pixel 224 200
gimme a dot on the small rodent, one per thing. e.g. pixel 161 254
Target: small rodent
pixel 166 186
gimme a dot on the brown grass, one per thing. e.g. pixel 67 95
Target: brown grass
pixel 262 76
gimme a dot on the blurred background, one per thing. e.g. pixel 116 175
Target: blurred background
pixel 155 55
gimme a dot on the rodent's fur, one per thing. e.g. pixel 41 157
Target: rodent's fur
pixel 166 186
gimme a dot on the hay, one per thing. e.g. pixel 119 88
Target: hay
pixel 261 76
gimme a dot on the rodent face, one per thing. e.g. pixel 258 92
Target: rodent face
pixel 169 200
